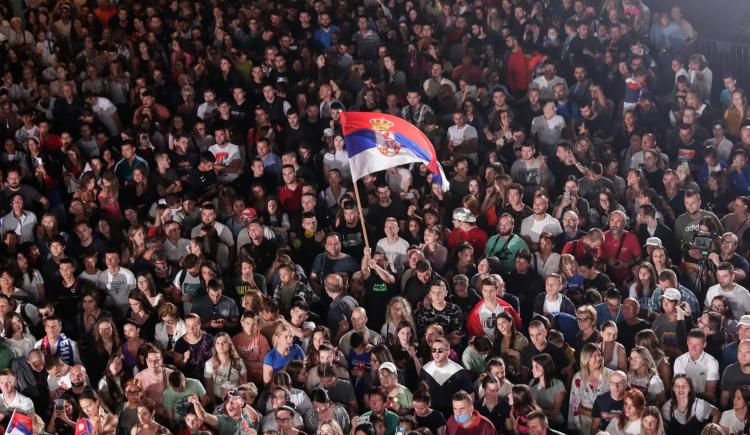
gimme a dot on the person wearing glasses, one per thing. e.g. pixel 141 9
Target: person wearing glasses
pixel 726 275
pixel 280 399
pixel 154 378
pixel 284 421
pixel 444 377
pixel 609 405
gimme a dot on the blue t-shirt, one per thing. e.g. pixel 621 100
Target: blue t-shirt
pixel 278 361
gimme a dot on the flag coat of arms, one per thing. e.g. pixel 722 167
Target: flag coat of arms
pixel 20 424
pixel 377 141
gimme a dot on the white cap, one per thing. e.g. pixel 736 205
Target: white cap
pixel 672 294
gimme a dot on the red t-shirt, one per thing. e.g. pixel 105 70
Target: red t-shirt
pixel 476 237
pixel 630 250
pixel 479 425
pixel 290 199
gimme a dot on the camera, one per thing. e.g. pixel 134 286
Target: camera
pixel 702 242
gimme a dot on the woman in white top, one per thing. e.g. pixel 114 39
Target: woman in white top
pixel 335 191
pixel 32 282
pixel 16 334
pixel 338 158
pixel 545 261
pixel 612 351
pixel 733 421
pixel 642 376
pixel 170 329
pixel 590 382
pixel 686 413
pixel 629 422
pixel 225 371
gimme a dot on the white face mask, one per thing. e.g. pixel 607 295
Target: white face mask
pixel 552 36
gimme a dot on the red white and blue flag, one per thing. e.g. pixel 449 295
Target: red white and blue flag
pixel 84 426
pixel 20 424
pixel 376 141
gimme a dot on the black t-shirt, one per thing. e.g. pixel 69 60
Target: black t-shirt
pixel 376 216
pixel 607 409
pixel 183 163
pixel 497 415
pixel 466 303
pixel 352 240
pixel 558 356
pixel 601 282
pixel 377 296
pixel 433 421
pixel 626 333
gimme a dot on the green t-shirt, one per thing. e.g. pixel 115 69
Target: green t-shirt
pixel 391 421
pixel 178 402
pixel 229 426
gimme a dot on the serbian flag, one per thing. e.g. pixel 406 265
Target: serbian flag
pixel 376 141
pixel 20 424
pixel 84 426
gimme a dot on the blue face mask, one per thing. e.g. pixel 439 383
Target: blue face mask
pixel 461 419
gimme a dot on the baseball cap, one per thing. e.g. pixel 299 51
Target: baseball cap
pixel 672 294
pixel 464 215
pixel 388 366
pixel 653 241
pixel 744 321
pixel 248 214
pixel 328 132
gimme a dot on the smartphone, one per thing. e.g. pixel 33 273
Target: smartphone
pixel 59 406
pixel 566 195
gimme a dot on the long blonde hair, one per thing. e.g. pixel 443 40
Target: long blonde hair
pixel 586 353
pixel 648 362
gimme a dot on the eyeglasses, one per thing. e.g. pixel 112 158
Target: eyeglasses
pixel 584 319
pixel 617 384
pixel 717 307
pixel 437 350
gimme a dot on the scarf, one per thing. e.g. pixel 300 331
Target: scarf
pixel 64 348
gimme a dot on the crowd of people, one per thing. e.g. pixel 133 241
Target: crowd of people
pixel 182 251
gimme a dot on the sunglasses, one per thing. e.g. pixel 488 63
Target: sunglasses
pixel 436 350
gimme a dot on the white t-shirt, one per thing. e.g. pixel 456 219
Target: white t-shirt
pixel 552 306
pixel 701 410
pixel 730 421
pixel 739 298
pixel 394 252
pixel 488 319
pixel 118 287
pixel 704 369
pixel 459 135
pixel 224 375
pixel 224 156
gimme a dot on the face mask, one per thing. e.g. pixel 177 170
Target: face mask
pixel 552 36
pixel 461 419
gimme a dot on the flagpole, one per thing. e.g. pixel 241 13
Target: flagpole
pixel 361 214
